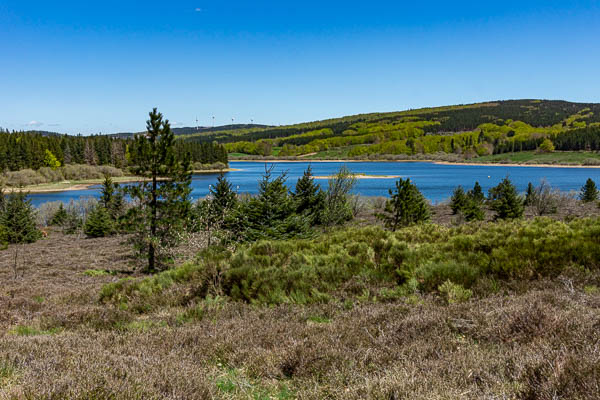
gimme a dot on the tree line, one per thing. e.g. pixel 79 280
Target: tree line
pixel 32 150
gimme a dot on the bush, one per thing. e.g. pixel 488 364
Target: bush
pixel 352 263
pixel 24 177
pixel 454 293
pixel 337 208
pixel 545 200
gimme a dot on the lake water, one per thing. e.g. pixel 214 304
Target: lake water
pixel 436 181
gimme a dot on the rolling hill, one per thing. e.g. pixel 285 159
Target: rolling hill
pixel 471 130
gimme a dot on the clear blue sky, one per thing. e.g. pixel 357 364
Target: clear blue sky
pixel 89 67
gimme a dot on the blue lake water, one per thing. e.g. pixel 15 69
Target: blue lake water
pixel 436 181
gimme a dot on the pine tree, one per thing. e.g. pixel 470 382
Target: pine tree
pixel 99 223
pixel 17 220
pixel 458 200
pixel 223 195
pixel 271 214
pixel 529 194
pixel 406 206
pixel 473 210
pixel 308 197
pixel 111 198
pixel 505 200
pixel 589 191
pixel 476 193
pixel 163 200
pixel 60 217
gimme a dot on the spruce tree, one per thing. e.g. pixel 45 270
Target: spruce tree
pixel 60 216
pixel 111 198
pixel 473 211
pixel 406 206
pixel 99 223
pixel 17 220
pixel 476 193
pixel 223 195
pixel 271 214
pixel 308 197
pixel 163 205
pixel 589 191
pixel 529 194
pixel 458 200
pixel 505 200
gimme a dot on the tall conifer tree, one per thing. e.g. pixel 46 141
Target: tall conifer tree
pixel 163 204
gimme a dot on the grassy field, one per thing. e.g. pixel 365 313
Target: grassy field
pixel 356 313
pixel 530 157
pixel 526 157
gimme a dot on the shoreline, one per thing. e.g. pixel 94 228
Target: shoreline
pixel 461 163
pixel 85 184
pixel 362 176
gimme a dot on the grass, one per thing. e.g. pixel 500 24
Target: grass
pixel 24 330
pixel 531 157
pixel 525 157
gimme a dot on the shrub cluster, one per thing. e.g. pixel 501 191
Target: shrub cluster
pixel 27 177
pixel 374 263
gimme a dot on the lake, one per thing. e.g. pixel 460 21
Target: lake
pixel 436 181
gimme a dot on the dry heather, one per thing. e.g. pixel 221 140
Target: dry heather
pixel 535 340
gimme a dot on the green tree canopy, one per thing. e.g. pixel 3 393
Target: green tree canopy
pixel 405 207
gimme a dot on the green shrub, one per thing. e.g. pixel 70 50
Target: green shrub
pixel 361 264
pixel 454 293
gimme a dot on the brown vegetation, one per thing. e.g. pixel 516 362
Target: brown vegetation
pixel 528 340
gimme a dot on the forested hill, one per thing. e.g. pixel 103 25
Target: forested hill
pixel 184 131
pixel 469 130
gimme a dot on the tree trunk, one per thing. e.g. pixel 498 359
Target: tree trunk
pixel 154 211
pixel 15 270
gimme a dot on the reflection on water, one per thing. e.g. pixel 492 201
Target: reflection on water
pixel 436 181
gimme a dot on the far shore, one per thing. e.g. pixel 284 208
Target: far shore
pixel 363 176
pixel 479 164
pixel 67 186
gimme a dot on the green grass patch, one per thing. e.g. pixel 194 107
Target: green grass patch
pixel 25 330
pixel 233 383
pixel 532 157
pixel 98 272
pixel 8 374
pixel 317 319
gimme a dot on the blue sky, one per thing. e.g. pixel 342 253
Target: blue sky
pixel 90 67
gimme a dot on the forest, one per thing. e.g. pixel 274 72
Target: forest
pixel 32 150
pixel 468 131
